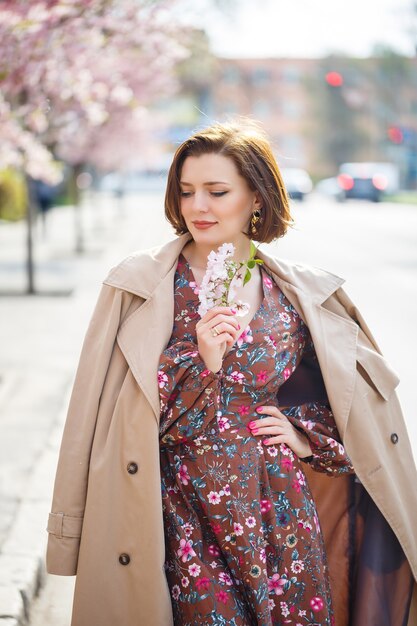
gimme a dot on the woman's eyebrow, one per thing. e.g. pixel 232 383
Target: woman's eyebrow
pixel 214 182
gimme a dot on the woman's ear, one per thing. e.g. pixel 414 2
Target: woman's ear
pixel 258 201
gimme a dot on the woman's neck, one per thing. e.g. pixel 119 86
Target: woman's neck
pixel 196 254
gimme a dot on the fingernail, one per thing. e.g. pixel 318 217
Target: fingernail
pixel 254 430
pixel 265 441
pixel 238 326
pixel 233 311
pixel 251 424
pixel 260 409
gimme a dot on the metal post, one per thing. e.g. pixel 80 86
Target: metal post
pixel 30 268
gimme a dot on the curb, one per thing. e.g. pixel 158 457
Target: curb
pixel 22 555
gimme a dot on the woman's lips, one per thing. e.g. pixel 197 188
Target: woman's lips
pixel 204 225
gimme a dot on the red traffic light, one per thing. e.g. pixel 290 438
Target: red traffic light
pixel 395 134
pixel 334 79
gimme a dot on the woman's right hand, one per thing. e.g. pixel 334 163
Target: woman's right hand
pixel 212 347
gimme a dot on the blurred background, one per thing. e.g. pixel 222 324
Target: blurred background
pixel 95 96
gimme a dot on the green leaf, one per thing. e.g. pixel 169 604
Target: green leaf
pixel 251 263
pixel 259 261
pixel 247 277
pixel 252 249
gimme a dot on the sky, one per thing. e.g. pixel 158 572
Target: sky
pixel 304 28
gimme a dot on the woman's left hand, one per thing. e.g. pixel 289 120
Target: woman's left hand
pixel 279 429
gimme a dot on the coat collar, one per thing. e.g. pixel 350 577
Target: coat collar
pixel 145 334
pixel 142 272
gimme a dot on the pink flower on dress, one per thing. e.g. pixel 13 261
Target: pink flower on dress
pixel 185 581
pixel 238 529
pixel 216 529
pixel 175 592
pixel 202 583
pixel 286 373
pixel 162 379
pixel 184 475
pixel 276 584
pixel 245 337
pixel 301 478
pixel 213 497
pixel 223 424
pixel 213 550
pixel 266 506
pixel 316 603
pixel 222 597
pixel 284 317
pixel 250 522
pixel 237 377
pixel 297 566
pixel 225 578
pixel 272 340
pixel 185 550
pixel 262 376
pixel 205 373
pixel 272 451
pixel 268 282
pixel 296 485
pixel 244 410
pixel 287 464
pixel 194 570
pixel 226 490
pixel 188 529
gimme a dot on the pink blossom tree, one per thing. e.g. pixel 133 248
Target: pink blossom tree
pixel 78 76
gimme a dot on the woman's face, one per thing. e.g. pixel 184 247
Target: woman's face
pixel 216 202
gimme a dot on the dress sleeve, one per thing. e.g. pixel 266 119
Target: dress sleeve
pixel 316 421
pixel 312 415
pixel 189 393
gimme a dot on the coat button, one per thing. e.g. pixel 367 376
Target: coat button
pixel 124 559
pixel 394 438
pixel 132 468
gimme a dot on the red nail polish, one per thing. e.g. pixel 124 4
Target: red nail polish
pixel 233 311
pixel 255 430
pixel 260 408
pixel 251 424
pixel 265 441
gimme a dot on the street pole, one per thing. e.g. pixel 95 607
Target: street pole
pixel 30 267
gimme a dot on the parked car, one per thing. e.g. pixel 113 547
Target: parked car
pixel 330 187
pixel 297 182
pixel 369 181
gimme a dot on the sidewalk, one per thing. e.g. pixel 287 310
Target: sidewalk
pixel 40 341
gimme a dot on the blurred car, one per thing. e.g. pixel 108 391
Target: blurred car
pixel 330 187
pixel 297 182
pixel 368 181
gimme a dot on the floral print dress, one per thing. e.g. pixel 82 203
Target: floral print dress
pixel 243 539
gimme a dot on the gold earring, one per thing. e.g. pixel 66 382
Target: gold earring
pixel 256 215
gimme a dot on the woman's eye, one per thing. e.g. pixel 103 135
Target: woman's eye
pixel 185 194
pixel 218 194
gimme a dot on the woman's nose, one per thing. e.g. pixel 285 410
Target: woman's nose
pixel 200 201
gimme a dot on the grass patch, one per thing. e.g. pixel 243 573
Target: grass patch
pixel 404 197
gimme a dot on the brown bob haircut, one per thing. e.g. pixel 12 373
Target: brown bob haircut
pixel 246 144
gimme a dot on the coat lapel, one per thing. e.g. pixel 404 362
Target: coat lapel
pixel 334 337
pixel 145 334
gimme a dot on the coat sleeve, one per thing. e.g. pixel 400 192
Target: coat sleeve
pixel 70 489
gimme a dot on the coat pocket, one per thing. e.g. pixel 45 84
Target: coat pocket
pixel 376 371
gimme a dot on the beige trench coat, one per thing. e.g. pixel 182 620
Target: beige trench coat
pixel 106 524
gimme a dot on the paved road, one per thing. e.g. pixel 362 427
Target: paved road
pixel 373 246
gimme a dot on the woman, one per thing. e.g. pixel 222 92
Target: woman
pixel 233 416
